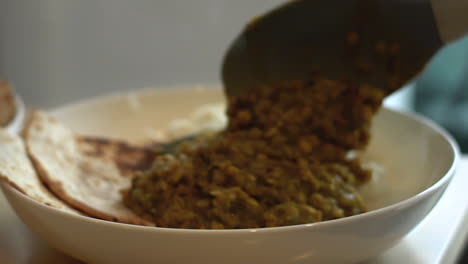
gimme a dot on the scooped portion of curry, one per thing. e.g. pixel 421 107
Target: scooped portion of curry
pixel 282 160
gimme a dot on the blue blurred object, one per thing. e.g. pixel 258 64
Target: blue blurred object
pixel 441 93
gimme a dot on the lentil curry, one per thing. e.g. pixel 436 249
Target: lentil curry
pixel 282 160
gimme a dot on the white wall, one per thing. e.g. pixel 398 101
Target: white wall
pixel 57 51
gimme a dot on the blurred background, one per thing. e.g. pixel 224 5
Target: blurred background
pixel 57 51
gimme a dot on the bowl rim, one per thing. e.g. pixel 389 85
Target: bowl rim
pixel 403 203
pixel 16 124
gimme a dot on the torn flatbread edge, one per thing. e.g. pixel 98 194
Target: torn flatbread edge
pixel 18 172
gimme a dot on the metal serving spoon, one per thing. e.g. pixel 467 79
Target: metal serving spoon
pixel 384 43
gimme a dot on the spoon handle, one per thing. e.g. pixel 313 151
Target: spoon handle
pixel 451 17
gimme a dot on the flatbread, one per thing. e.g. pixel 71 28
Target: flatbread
pixel 17 170
pixel 87 173
pixel 7 103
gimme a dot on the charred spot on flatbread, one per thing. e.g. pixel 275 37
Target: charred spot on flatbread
pixel 127 157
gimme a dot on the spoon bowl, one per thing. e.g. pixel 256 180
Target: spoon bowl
pixel 378 42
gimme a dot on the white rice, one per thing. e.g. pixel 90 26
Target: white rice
pixel 206 118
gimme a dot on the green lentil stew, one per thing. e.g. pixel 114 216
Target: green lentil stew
pixel 282 160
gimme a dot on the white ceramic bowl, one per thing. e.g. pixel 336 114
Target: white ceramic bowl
pixel 419 160
pixel 16 124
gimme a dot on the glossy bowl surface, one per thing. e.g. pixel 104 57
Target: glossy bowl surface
pixel 16 124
